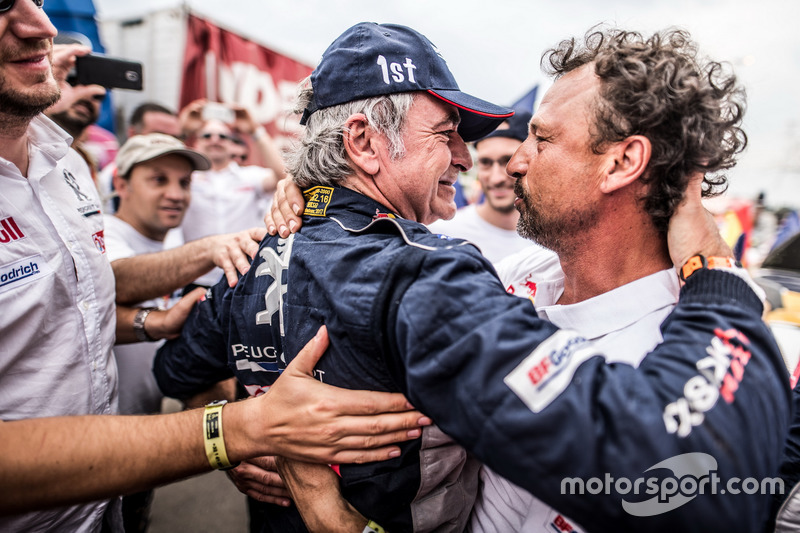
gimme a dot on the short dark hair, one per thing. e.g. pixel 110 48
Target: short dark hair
pixel 689 108
pixel 137 117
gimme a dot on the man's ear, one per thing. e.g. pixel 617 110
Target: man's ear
pixel 628 160
pixel 359 143
pixel 121 185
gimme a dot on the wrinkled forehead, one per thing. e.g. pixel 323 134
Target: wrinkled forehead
pixel 571 95
pixel 580 85
pixel 429 112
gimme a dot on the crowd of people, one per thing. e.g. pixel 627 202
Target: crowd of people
pixel 367 358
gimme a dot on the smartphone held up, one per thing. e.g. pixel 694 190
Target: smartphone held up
pixel 110 72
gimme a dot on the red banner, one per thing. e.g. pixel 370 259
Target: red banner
pixel 224 67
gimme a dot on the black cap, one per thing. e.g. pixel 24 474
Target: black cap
pixel 515 127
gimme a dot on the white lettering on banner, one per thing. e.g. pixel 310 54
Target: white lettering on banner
pixel 23 272
pixel 396 70
pixel 247 85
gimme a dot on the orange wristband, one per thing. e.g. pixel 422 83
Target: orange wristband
pixel 697 262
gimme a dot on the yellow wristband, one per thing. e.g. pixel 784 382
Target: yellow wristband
pixel 212 435
pixel 372 527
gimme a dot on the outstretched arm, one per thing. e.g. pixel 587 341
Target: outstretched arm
pixel 266 145
pixel 64 460
pixel 147 276
pixel 541 406
pixel 158 324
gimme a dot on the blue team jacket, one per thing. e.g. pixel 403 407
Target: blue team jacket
pixel 417 313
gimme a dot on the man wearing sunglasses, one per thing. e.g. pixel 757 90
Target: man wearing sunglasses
pixel 492 224
pixel 228 197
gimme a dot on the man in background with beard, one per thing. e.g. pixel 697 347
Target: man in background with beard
pixel 491 224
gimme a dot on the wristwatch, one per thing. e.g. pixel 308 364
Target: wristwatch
pixel 697 262
pixel 138 324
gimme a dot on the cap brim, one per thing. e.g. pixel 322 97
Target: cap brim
pixel 478 117
pixel 197 160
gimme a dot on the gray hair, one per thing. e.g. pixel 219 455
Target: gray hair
pixel 319 157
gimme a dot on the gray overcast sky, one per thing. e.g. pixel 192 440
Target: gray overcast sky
pixel 493 48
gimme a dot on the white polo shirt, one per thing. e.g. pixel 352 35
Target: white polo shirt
pixel 57 299
pixel 624 324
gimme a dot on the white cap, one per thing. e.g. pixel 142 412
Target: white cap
pixel 142 148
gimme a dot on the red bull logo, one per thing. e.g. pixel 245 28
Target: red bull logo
pixel 9 231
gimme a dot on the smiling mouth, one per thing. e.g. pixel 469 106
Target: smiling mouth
pixel 30 59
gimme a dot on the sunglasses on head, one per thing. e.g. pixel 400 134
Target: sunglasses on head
pixel 222 136
pixel 6 5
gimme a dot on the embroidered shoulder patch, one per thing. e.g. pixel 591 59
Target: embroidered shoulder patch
pixel 317 200
pixel 548 370
pixel 23 271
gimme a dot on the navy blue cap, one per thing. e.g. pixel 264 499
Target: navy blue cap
pixel 515 127
pixel 372 59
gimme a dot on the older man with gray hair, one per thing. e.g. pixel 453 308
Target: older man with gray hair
pixel 385 136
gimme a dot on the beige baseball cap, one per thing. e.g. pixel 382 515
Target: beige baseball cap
pixel 142 148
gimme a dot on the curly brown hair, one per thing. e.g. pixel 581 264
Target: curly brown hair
pixel 689 108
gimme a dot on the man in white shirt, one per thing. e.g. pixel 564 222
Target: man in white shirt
pixel 623 322
pixel 58 297
pixel 492 224
pixel 153 182
pixel 228 197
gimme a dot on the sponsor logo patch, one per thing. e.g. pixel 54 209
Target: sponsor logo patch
pixel 9 231
pixel 99 241
pixel 317 200
pixel 23 272
pixel 548 370
pixel 719 375
pixel 88 207
pixel 559 523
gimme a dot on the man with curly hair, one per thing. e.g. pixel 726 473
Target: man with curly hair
pixel 652 112
pixel 609 156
